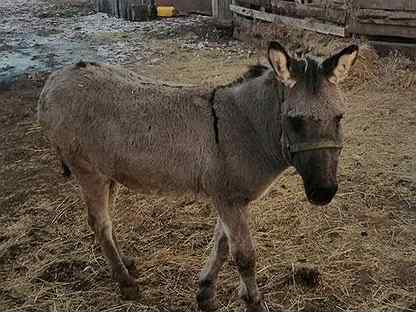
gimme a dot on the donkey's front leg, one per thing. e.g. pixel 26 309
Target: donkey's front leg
pixel 208 276
pixel 235 222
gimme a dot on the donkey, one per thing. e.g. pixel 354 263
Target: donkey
pixel 112 126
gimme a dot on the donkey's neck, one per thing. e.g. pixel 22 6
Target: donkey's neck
pixel 260 100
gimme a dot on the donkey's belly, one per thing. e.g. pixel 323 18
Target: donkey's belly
pixel 159 173
pixel 148 185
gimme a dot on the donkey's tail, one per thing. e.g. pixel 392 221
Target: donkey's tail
pixel 67 172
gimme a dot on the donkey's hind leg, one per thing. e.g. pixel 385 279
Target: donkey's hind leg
pixel 208 277
pixel 98 191
pixel 129 262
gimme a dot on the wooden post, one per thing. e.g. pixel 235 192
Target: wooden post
pixel 133 10
pixel 221 12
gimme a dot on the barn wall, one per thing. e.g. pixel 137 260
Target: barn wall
pixel 165 2
pixel 385 18
pixel 133 10
pixel 331 14
pixel 189 6
pixel 364 17
pixel 393 5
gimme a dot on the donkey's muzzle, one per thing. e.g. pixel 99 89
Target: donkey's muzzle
pixel 322 195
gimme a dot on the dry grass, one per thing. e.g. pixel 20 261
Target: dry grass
pixel 358 254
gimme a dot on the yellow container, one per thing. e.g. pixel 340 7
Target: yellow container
pixel 166 11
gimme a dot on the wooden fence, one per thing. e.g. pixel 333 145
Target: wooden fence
pixel 134 10
pixel 390 18
pixel 141 10
pixel 385 18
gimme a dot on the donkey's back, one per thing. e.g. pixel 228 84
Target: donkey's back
pixel 148 135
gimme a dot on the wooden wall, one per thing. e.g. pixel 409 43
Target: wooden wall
pixel 312 16
pixel 188 6
pixel 385 18
pixel 390 18
pixel 138 10
pixel 193 6
pixel 395 5
pixel 332 12
pixel 221 11
pixel 133 10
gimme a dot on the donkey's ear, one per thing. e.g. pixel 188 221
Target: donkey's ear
pixel 336 67
pixel 280 61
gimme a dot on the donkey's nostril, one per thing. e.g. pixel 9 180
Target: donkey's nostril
pixel 323 195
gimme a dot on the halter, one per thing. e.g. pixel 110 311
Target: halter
pixel 303 147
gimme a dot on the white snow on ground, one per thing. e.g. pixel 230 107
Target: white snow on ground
pixel 29 43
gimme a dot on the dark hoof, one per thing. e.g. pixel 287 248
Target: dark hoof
pixel 252 304
pixel 206 300
pixel 130 263
pixel 130 292
pixel 259 307
pixel 208 306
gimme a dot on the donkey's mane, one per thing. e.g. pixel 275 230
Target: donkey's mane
pixel 253 72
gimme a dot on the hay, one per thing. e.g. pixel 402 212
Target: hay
pixel 365 69
pixel 398 72
pixel 309 258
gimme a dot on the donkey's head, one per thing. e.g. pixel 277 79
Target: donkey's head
pixel 311 117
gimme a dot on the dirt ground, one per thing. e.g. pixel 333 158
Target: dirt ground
pixel 357 254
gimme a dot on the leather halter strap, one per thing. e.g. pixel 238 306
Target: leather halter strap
pixel 303 147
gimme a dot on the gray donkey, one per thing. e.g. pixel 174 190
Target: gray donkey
pixel 113 126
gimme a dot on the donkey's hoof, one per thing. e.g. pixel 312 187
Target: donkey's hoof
pixel 208 306
pixel 259 307
pixel 130 292
pixel 130 263
pixel 206 300
pixel 252 304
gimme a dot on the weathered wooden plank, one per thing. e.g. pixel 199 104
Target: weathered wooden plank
pixel 326 4
pixel 402 5
pixel 383 17
pixel 260 3
pixel 292 9
pixel 381 21
pixel 124 8
pixel 290 21
pixel 320 3
pixel 371 13
pixel 214 8
pixel 134 10
pixel 384 30
pixel 221 10
pixel 107 6
pixel 193 6
pixel 104 6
